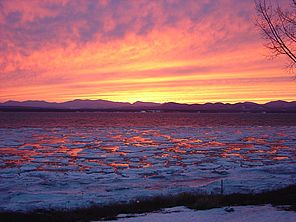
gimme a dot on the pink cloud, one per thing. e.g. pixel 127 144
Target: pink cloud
pixel 57 44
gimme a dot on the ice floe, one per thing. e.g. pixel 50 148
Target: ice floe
pixel 68 167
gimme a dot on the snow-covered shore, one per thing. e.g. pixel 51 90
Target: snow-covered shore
pixel 265 213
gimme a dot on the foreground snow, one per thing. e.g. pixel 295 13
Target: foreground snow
pixel 264 213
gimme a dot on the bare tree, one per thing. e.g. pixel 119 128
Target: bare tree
pixel 278 27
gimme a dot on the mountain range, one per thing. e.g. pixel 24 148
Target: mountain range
pixel 104 105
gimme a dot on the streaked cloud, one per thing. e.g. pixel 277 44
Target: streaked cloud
pixel 185 51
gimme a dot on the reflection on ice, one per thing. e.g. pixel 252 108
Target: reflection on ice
pixel 60 167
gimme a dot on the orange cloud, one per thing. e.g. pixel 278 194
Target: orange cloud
pixel 137 50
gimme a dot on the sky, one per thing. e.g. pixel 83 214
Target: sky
pixel 187 51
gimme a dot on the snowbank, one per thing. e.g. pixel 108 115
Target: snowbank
pixel 265 213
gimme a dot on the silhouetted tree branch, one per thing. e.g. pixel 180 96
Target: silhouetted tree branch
pixel 278 27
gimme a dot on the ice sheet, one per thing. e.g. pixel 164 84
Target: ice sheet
pixel 79 166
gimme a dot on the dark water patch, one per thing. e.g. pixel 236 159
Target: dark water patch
pixel 125 119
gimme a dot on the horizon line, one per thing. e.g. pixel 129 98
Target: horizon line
pixel 246 101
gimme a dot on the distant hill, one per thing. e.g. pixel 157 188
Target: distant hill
pixel 105 105
pixel 74 104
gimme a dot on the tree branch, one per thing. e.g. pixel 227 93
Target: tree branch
pixel 278 27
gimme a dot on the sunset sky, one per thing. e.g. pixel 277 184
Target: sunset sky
pixel 126 50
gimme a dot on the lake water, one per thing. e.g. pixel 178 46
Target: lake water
pixel 65 160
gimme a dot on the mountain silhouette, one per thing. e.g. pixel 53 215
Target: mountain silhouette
pixel 79 104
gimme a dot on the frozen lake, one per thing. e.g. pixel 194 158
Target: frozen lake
pixel 50 160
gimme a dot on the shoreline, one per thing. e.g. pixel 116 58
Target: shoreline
pixel 280 197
